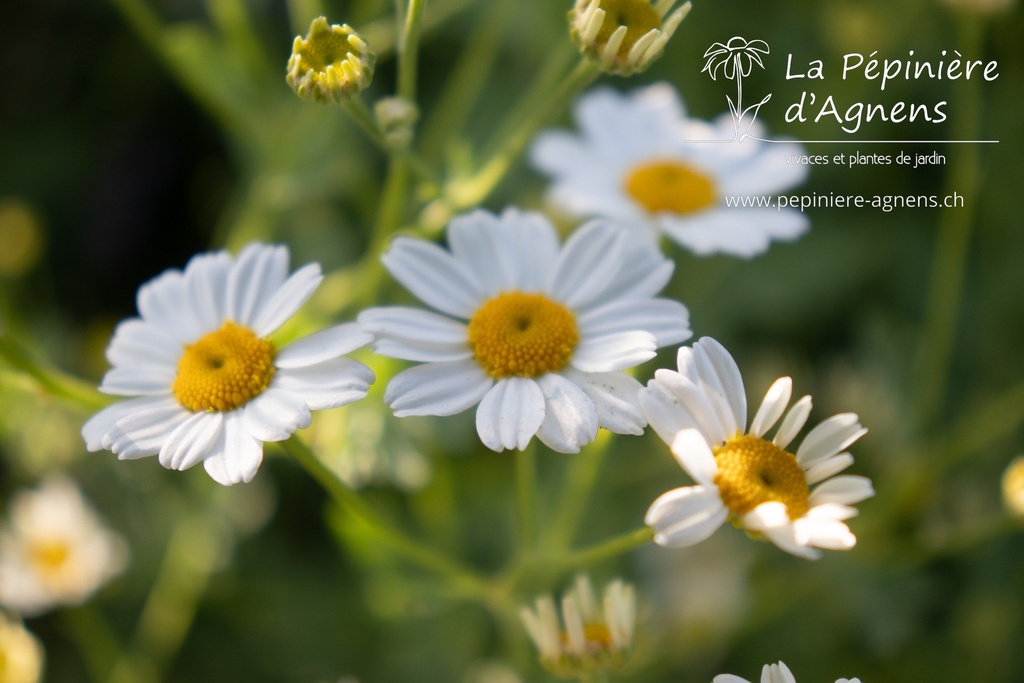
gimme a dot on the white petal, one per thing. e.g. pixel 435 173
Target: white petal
pixel 772 407
pixel 330 384
pixel 275 414
pixel 694 456
pixel 738 232
pixel 97 427
pixel 287 300
pixel 720 377
pixel 847 489
pixel 136 342
pixel 827 468
pixel 644 272
pixel 589 260
pixel 476 242
pixel 510 414
pixel 206 277
pixel 824 533
pixel 323 345
pixel 615 395
pixel 663 411
pixel 773 521
pixel 828 438
pixel 832 512
pixel 570 417
pixel 614 351
pixel 139 380
pixel 667 320
pixel 693 405
pixel 793 422
pixel 143 431
pixel 257 274
pixel 238 454
pixel 192 441
pixel 437 388
pixel 531 248
pixel 686 516
pixel 415 334
pixel 433 275
pixel 728 678
pixel 777 673
pixel 164 303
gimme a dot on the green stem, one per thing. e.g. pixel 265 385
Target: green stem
pixel 607 549
pixel 192 555
pixel 526 495
pixel 366 121
pixel 95 639
pixel 945 290
pixel 408 50
pixel 82 395
pixel 386 533
pixel 462 193
pixel 583 472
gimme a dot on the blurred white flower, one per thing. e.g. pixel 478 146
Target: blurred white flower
pixel 209 386
pixel 638 160
pixel 591 636
pixel 21 654
pixel 772 673
pixel 54 550
pixel 701 412
pixel 538 335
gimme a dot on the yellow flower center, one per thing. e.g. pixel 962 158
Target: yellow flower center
pixel 323 47
pixel 752 471
pixel 638 16
pixel 522 335
pixel 49 557
pixel 224 369
pixel 670 186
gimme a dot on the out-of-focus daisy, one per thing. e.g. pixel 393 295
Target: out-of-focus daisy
pixel 624 36
pixel 591 636
pixel 701 412
pixel 209 386
pixel 772 673
pixel 638 160
pixel 54 550
pixel 21 654
pixel 538 335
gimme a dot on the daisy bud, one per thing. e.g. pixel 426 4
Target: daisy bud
pixel 331 64
pixel 396 117
pixel 624 36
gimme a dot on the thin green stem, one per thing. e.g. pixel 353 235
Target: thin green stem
pixel 607 549
pixel 949 266
pixel 408 50
pixel 51 381
pixel 386 533
pixel 95 639
pixel 583 473
pixel 526 496
pixel 366 121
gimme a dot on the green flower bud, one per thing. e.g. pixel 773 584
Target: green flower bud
pixel 331 64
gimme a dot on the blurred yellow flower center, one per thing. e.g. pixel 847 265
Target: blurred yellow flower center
pixel 752 471
pixel 224 369
pixel 522 335
pixel 670 186
pixel 49 556
pixel 638 16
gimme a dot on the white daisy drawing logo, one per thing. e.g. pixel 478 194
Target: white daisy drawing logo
pixel 208 385
pixel 536 334
pixel 735 60
pixel 701 412
pixel 637 160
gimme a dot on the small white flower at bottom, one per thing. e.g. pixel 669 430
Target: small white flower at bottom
pixel 741 475
pixel 54 550
pixel 207 385
pixel 595 637
pixel 772 673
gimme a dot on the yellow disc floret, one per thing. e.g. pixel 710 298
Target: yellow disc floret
pixel 224 369
pixel 522 335
pixel 670 186
pixel 752 471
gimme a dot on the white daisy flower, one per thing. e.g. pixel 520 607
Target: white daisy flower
pixel 54 550
pixel 536 334
pixel 701 412
pixel 772 673
pixel 209 386
pixel 636 161
pixel 596 636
